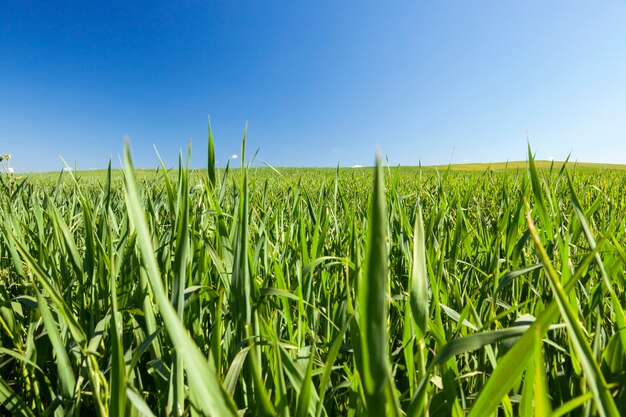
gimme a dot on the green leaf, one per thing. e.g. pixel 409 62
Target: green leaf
pixel 372 302
pixel 210 396
pixel 66 373
pixel 595 379
pixel 211 167
pixel 419 276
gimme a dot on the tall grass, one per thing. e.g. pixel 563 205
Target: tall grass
pixel 313 292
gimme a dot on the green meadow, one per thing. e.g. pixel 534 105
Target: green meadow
pixel 514 165
pixel 463 290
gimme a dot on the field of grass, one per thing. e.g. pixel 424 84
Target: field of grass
pixel 100 175
pixel 514 165
pixel 296 292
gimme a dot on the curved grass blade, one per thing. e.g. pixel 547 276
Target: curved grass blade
pixel 475 341
pixel 510 276
pixel 210 395
pixel 66 373
pixel 615 302
pixel 511 366
pixel 139 403
pixel 595 379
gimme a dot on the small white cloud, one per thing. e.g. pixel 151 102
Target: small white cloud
pixel 67 169
pixel 234 156
pixel 466 160
pixel 10 170
pixel 357 166
pixel 551 158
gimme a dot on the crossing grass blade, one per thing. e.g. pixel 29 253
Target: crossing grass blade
pixel 139 403
pixel 11 401
pixel 595 379
pixel 330 360
pixel 513 363
pixel 476 341
pixel 620 316
pixel 571 405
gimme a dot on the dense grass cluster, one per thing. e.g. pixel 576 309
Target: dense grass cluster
pixel 314 292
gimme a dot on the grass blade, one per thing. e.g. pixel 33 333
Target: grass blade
pixel 372 302
pixel 210 395
pixel 419 277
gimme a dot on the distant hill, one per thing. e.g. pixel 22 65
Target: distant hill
pixel 499 166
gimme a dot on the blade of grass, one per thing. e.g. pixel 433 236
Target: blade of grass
pixel 211 167
pixel 620 316
pixel 210 395
pixel 66 373
pixel 372 302
pixel 419 277
pixel 595 379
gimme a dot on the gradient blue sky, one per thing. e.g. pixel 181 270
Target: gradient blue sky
pixel 319 82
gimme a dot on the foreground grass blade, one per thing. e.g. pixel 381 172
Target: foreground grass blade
pixel 372 302
pixel 419 276
pixel 210 395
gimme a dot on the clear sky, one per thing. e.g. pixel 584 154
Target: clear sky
pixel 319 82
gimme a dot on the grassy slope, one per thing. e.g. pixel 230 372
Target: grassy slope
pixel 522 164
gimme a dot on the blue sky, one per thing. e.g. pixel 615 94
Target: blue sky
pixel 319 83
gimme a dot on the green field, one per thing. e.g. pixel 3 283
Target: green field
pixel 100 175
pixel 475 290
pixel 513 165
